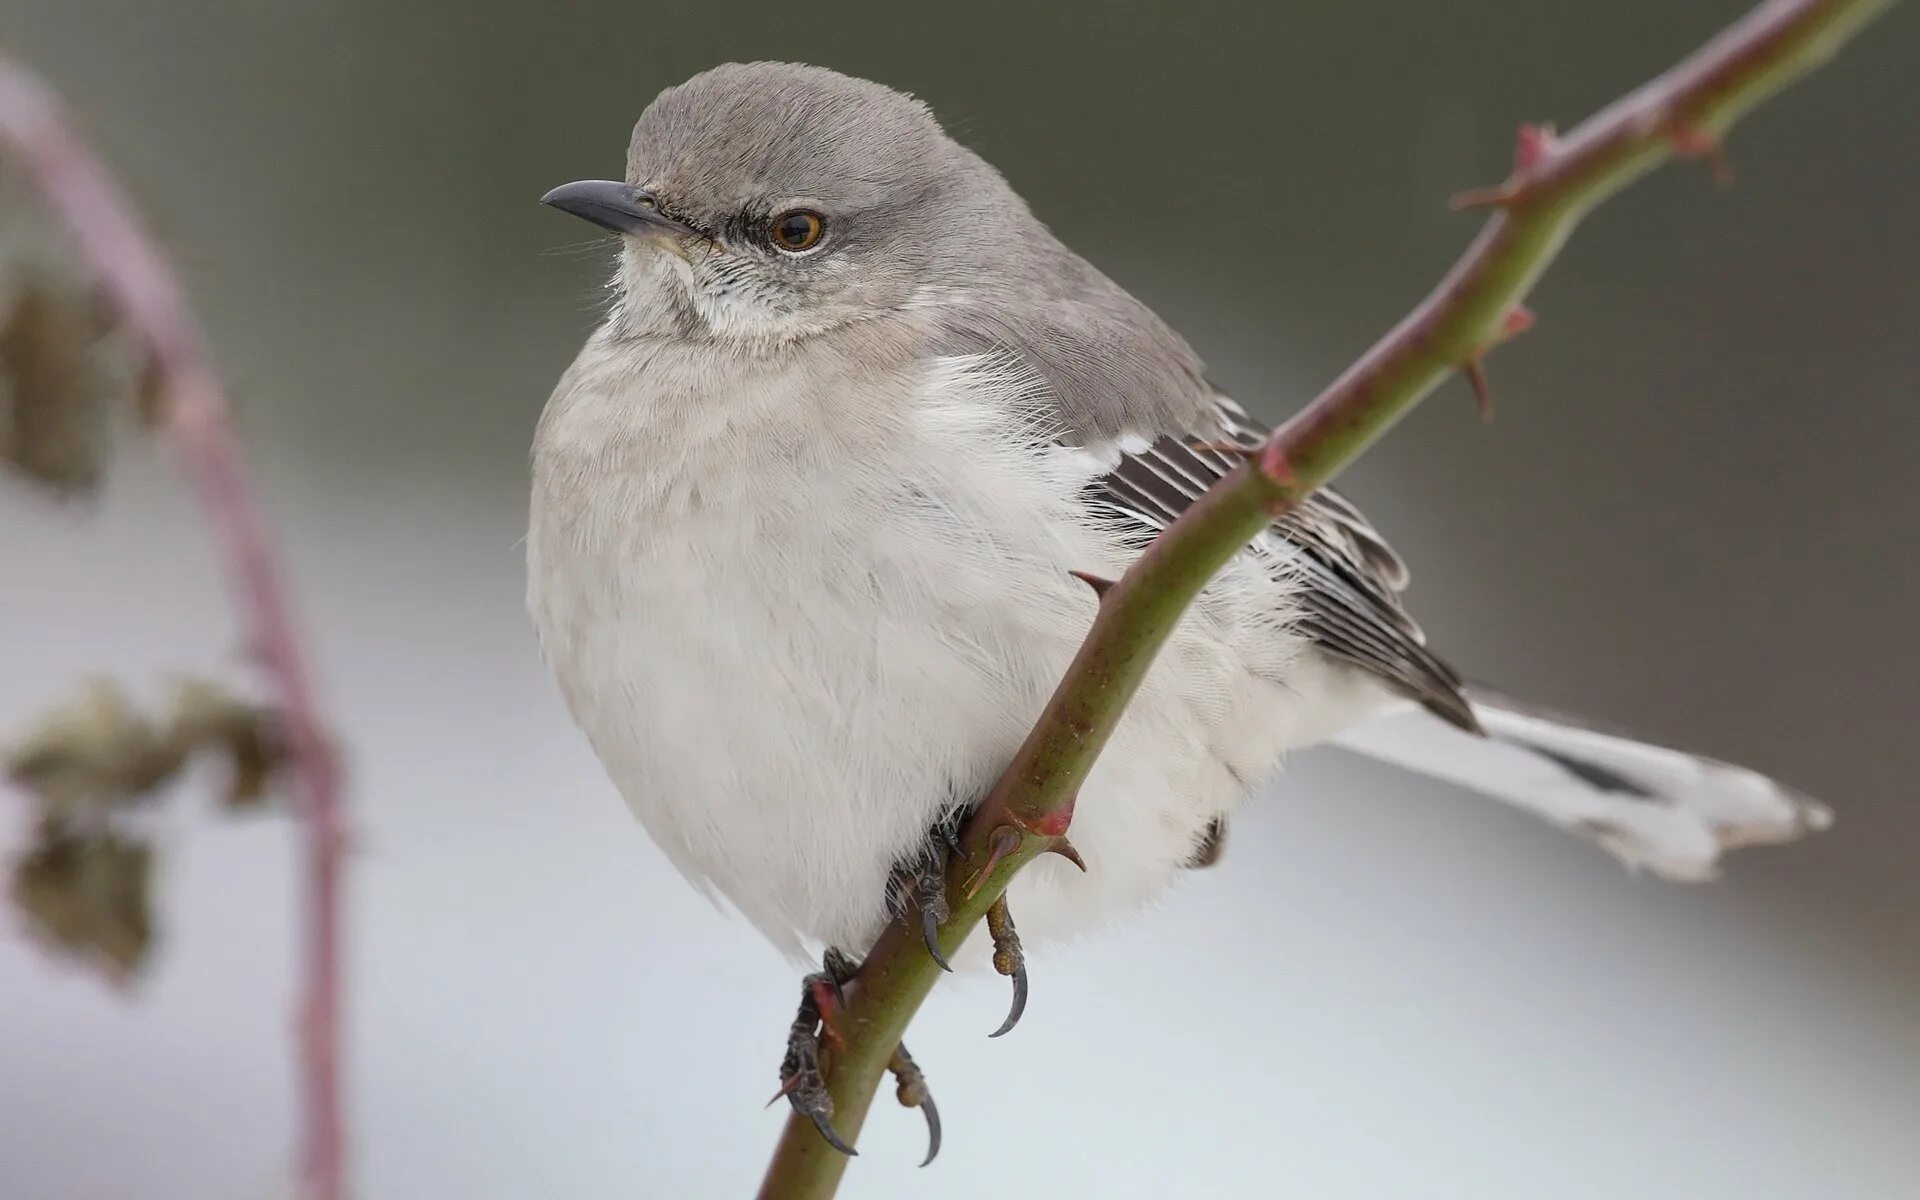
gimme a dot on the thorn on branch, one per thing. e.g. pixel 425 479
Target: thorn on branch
pixel 1065 849
pixel 1274 464
pixel 1476 375
pixel 1533 143
pixel 1100 584
pixel 1004 840
pixel 1517 321
pixel 1692 141
pixel 1485 197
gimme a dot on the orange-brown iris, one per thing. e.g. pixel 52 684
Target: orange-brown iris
pixel 797 230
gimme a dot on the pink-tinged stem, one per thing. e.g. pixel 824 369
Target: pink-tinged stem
pixel 193 414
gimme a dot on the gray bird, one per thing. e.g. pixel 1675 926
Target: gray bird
pixel 804 511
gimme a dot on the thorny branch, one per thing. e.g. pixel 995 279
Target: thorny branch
pixel 191 411
pixel 1555 181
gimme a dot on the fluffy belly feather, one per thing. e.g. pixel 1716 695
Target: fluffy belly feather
pixel 791 670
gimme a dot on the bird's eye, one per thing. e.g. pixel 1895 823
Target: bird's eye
pixel 797 230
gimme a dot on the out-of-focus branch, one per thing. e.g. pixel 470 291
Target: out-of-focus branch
pixel 192 413
pixel 1554 183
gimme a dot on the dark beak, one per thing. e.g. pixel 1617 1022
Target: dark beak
pixel 610 204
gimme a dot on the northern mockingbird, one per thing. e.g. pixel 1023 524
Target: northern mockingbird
pixel 804 509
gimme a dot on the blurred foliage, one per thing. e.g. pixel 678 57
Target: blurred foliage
pixel 62 366
pixel 84 884
pixel 51 419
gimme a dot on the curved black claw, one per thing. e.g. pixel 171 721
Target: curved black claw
pixel 930 933
pixel 827 1131
pixel 933 1130
pixel 912 1092
pixel 930 896
pixel 805 1089
pixel 1019 1002
pixel 1008 959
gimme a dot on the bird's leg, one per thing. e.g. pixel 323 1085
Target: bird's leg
pixel 817 1021
pixel 1008 959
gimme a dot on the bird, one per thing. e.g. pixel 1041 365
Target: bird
pixel 807 513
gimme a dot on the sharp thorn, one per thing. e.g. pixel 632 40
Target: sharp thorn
pixel 1065 849
pixel 1003 841
pixel 1518 320
pixel 1486 197
pixel 1100 585
pixel 786 1089
pixel 1691 141
pixel 827 1131
pixel 1532 144
pixel 1482 393
pixel 1274 464
pixel 1019 1001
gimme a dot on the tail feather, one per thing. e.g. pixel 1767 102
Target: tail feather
pixel 1654 808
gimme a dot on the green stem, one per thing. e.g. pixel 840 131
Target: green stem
pixel 1684 111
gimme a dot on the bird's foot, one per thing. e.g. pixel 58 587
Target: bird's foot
pixel 919 893
pixel 816 1030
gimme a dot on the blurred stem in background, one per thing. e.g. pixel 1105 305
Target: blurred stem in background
pixel 180 395
pixel 1555 182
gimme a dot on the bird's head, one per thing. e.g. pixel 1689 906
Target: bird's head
pixel 770 201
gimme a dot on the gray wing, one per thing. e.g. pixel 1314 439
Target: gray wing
pixel 1350 602
pixel 1118 376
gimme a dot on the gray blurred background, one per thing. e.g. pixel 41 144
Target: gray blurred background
pixel 1694 516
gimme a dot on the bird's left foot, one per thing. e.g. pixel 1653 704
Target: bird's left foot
pixel 816 1030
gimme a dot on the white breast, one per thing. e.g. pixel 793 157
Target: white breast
pixel 800 612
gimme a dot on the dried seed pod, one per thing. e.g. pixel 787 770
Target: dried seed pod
pixel 91 755
pixel 90 896
pixel 52 400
